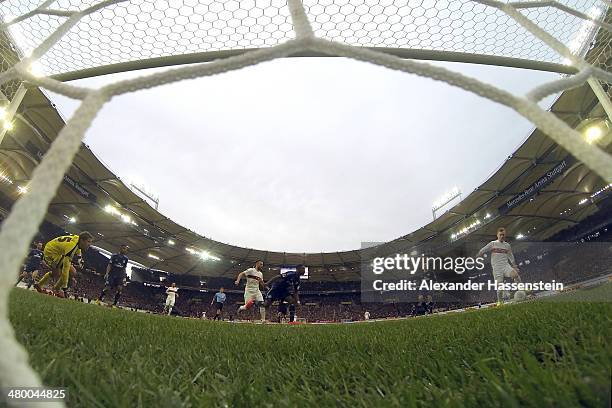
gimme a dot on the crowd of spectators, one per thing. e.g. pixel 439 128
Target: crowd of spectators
pixel 574 255
pixel 192 303
pixel 567 262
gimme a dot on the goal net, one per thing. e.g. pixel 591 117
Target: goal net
pixel 46 43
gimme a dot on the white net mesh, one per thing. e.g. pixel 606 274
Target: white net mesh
pixel 135 30
pixel 69 35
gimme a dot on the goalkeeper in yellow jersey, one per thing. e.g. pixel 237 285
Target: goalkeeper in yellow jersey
pixel 58 255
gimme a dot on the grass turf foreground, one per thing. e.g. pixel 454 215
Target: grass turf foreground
pixel 533 354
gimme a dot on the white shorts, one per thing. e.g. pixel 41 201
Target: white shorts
pixel 169 302
pixel 501 272
pixel 254 294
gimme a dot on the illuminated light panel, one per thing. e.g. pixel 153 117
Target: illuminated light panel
pixel 440 202
pixel 206 256
pixel 157 258
pixel 466 230
pixel 111 210
pixel 601 190
pixel 593 133
pixel 36 69
pixel 5 178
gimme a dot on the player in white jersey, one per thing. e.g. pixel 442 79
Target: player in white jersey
pixel 252 290
pixel 503 264
pixel 171 298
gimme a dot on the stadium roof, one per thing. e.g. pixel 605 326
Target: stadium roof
pixel 90 190
pixel 93 198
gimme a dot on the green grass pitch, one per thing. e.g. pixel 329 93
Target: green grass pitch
pixel 532 354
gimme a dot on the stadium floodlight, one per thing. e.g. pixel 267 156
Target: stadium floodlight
pixel 171 242
pixel 141 189
pixel 126 218
pixel 445 199
pixel 8 126
pixel 36 69
pixel 5 178
pixel 71 220
pixel 467 229
pixel 205 255
pixel 157 258
pixel 111 210
pixel 22 189
pixel 601 190
pixel 583 201
pixel 487 216
pixel 208 257
pixel 519 236
pixel 593 133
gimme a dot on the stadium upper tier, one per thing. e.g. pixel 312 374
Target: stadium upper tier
pixel 538 191
pixel 120 35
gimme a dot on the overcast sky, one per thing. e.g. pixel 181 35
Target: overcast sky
pixel 307 154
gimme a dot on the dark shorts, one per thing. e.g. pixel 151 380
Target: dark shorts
pixel 30 269
pixel 278 293
pixel 115 281
pixel 282 308
pixel 219 305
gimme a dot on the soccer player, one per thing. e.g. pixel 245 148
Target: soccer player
pixel 115 274
pixel 420 308
pixel 171 298
pixel 282 311
pixel 252 292
pixel 366 315
pixel 58 255
pixel 285 288
pixel 33 265
pixel 219 300
pixel 429 305
pixel 503 264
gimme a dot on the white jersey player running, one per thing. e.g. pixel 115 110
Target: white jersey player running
pixel 503 264
pixel 171 298
pixel 252 292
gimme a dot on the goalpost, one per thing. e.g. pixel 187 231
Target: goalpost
pixel 386 37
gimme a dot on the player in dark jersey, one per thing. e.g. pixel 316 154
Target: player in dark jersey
pixel 285 288
pixel 116 274
pixel 34 263
pixel 420 308
pixel 429 304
